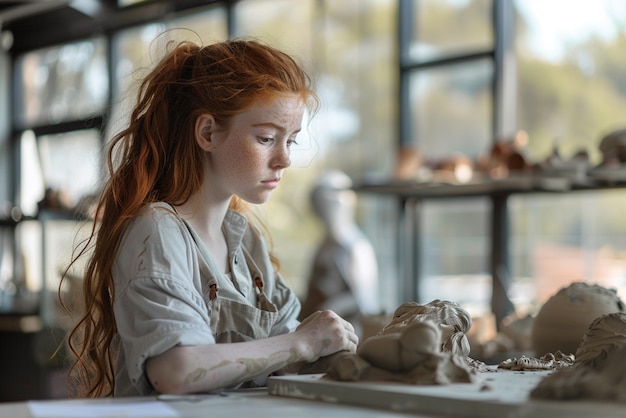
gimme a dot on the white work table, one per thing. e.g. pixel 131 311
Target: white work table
pixel 256 403
pixel 498 394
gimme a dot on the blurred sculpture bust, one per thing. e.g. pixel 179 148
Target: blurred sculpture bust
pixel 344 272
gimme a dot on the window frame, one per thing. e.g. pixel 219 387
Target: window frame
pixel 502 54
pixel 503 122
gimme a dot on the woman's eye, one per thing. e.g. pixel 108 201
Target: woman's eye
pixel 291 142
pixel 265 140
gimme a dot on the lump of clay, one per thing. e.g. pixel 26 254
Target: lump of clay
pixel 565 317
pixel 423 344
pixel 605 334
pixel 599 369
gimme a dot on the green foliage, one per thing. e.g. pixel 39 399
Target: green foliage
pixel 573 103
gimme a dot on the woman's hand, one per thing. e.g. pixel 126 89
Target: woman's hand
pixel 324 333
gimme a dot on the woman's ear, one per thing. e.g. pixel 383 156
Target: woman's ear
pixel 205 124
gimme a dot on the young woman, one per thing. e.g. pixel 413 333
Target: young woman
pixel 181 292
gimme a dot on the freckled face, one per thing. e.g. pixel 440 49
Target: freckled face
pixel 249 158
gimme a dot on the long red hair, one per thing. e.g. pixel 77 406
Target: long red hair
pixel 155 158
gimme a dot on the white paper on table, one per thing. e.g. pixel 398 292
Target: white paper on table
pixel 151 409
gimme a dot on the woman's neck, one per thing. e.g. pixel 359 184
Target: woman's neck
pixel 207 220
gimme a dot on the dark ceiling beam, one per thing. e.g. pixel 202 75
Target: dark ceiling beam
pixel 79 19
pixel 25 9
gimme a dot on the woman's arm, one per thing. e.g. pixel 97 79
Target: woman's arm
pixel 202 368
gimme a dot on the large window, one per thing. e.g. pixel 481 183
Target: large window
pixel 447 112
pixel 571 93
pixel 62 83
pixel 60 97
pixel 565 78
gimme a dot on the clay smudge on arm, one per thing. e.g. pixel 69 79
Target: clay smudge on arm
pixel 196 375
pixel 252 367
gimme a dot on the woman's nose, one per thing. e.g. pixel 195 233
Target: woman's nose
pixel 283 157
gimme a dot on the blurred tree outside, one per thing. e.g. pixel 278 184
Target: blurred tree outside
pixel 573 103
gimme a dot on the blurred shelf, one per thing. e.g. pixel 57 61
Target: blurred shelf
pixel 47 215
pixel 531 183
pixel 561 180
pixel 20 323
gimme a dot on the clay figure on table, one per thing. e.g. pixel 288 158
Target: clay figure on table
pixel 344 272
pixel 423 344
pixel 181 291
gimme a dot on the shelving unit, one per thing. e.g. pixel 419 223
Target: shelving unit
pixel 410 194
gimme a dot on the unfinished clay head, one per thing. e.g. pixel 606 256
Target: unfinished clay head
pixel 452 320
pixel 423 344
pixel 566 316
pixel 613 148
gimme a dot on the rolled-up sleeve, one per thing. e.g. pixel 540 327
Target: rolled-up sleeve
pixel 154 315
pixel 158 304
